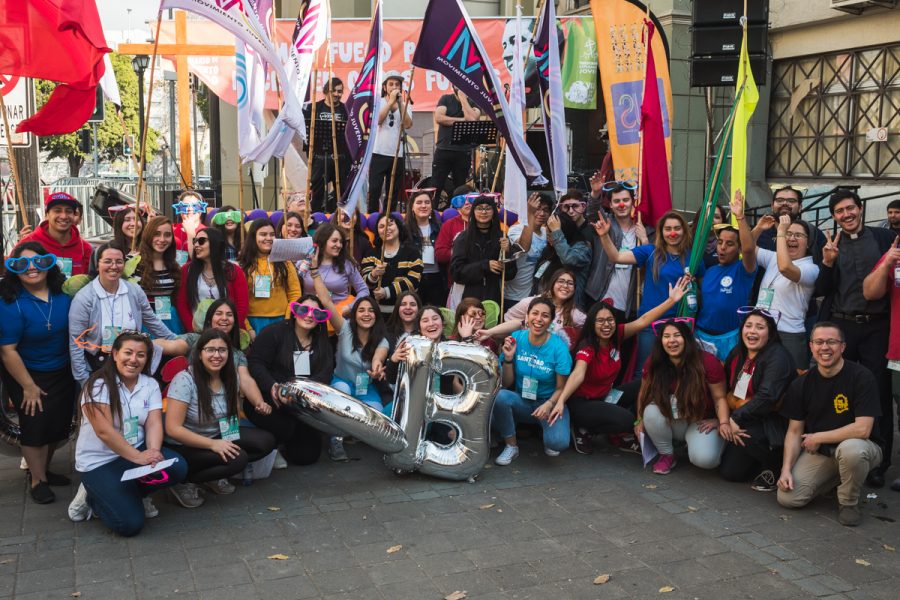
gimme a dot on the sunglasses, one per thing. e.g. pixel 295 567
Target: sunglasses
pixel 301 311
pixel 461 200
pixel 198 241
pixel 628 184
pixel 229 215
pixel 41 262
pixel 86 345
pixel 658 326
pixel 769 312
pixel 114 210
pixel 189 208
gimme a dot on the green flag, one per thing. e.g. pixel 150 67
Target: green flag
pixel 579 70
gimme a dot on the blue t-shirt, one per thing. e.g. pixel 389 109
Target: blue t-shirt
pixel 655 292
pixel 725 289
pixel 542 362
pixel 24 322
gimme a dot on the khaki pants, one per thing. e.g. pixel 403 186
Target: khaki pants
pixel 847 469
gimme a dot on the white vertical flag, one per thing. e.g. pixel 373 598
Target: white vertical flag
pixel 515 188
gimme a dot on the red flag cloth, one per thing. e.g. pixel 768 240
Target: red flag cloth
pixel 58 40
pixel 654 189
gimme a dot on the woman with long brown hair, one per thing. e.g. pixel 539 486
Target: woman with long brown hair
pixel 158 272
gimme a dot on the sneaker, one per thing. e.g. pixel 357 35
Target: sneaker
pixel 23 464
pixel 150 510
pixel 220 486
pixel 55 479
pixel 187 495
pixel 627 443
pixel 79 509
pixel 849 516
pixel 508 455
pixel 664 464
pixel 765 482
pixel 336 449
pixel 551 452
pixel 582 442
pixel 280 462
pixel 42 494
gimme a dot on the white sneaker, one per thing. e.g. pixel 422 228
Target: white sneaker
pixel 150 510
pixel 23 464
pixel 187 495
pixel 550 452
pixel 280 462
pixel 79 510
pixel 508 455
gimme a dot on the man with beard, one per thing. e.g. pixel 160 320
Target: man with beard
pixel 893 217
pixel 787 201
pixel 847 259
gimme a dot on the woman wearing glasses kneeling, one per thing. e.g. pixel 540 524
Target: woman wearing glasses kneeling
pixel 682 397
pixel 202 421
pixel 122 429
pixel 34 313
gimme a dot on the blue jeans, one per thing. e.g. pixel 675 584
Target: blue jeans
pixel 511 408
pixel 645 340
pixel 119 504
pixel 260 323
pixel 371 397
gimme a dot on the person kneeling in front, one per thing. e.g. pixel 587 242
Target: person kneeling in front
pixel 832 437
pixel 121 429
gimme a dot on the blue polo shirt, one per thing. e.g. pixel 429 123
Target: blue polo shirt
pixel 24 322
pixel 542 362
pixel 656 292
pixel 725 289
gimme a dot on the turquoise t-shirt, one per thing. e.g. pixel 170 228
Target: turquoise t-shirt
pixel 542 362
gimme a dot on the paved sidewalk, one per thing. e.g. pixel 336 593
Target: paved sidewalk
pixel 542 528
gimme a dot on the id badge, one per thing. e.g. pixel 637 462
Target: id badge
pixel 539 272
pixel 361 384
pixel 529 388
pixel 673 402
pixel 65 265
pixel 181 257
pixel 766 297
pixel 162 305
pixel 623 266
pixel 262 286
pixel 428 254
pixel 110 333
pixel 894 365
pixel 614 355
pixel 301 363
pixel 740 388
pixel 130 430
pixel 231 431
pixel 613 396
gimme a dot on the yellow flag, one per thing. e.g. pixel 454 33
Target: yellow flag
pixel 744 110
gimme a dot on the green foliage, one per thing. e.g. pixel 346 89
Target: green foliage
pixel 109 133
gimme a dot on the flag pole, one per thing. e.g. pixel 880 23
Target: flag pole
pixel 403 107
pixel 240 165
pixel 143 162
pixel 12 163
pixel 334 150
pixel 499 164
pixel 312 136
pixel 638 196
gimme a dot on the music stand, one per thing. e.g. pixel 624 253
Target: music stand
pixel 473 133
pixel 322 143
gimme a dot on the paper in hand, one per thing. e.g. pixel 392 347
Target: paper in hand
pixel 138 472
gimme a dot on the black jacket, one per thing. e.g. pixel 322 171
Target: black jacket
pixel 271 357
pixel 474 271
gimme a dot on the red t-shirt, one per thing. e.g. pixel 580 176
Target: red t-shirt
pixel 603 367
pixel 715 373
pixel 893 352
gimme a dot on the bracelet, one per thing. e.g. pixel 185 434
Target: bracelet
pixel 315 275
pixel 638 422
pixel 724 423
pixel 739 218
pixel 780 235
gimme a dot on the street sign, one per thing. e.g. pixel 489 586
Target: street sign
pixel 18 95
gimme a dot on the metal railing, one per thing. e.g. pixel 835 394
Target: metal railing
pixel 816 212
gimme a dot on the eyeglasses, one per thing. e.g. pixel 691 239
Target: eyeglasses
pixel 198 241
pixel 658 326
pixel 111 262
pixel 229 215
pixel 391 119
pixel 301 311
pixel 542 209
pixel 565 282
pixel 572 206
pixel 769 312
pixel 605 321
pixel 216 350
pixel 484 208
pixel 829 342
pixel 41 262
pixel 629 184
pixel 785 201
pixel 795 235
pixel 188 208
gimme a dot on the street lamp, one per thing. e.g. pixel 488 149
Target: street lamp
pixel 140 63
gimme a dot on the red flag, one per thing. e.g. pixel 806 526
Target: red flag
pixel 58 40
pixel 655 193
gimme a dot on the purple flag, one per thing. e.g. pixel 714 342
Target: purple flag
pixel 546 52
pixel 363 106
pixel 449 44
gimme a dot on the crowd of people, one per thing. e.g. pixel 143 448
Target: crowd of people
pixel 171 341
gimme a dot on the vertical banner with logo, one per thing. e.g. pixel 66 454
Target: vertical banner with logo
pixel 621 55
pixel 579 71
pixel 546 52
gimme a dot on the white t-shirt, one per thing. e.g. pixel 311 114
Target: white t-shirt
pixel 386 138
pixel 620 282
pixel 206 291
pixel 90 451
pixel 520 286
pixel 428 250
pixel 790 299
pixel 115 311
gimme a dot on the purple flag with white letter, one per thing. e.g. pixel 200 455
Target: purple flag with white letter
pixel 450 45
pixel 363 106
pixel 546 52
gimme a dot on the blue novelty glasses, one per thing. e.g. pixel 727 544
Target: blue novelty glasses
pixel 41 262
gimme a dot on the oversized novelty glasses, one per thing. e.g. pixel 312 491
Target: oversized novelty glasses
pixel 41 262
pixel 223 217
pixel 769 312
pixel 189 208
pixel 114 210
pixel 629 184
pixel 416 191
pixel 301 311
pixel 658 326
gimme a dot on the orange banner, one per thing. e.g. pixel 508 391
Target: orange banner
pixel 621 53
pixel 348 47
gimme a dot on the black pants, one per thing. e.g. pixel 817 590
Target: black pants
pixel 596 416
pixel 433 289
pixel 300 443
pixel 322 175
pixel 446 162
pixel 206 465
pixel 742 463
pixel 867 344
pixel 380 179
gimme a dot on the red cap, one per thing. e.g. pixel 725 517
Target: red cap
pixel 60 198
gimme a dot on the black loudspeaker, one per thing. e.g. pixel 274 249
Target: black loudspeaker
pixel 728 12
pixel 708 41
pixel 712 71
pixel 106 197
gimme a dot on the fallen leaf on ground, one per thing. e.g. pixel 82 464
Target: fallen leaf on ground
pixel 499 510
pixel 862 562
pixel 784 517
pixel 487 506
pixel 650 486
pixel 75 594
pixel 9 560
pixel 693 508
pixel 666 589
pixel 393 549
pixel 274 508
pixel 278 557
pixel 457 595
pixel 888 547
pixel 601 579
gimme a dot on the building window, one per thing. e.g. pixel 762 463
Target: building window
pixel 822 108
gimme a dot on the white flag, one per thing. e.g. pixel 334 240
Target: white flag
pixel 108 82
pixel 251 98
pixel 515 188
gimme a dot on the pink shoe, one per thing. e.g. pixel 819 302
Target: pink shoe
pixel 665 464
